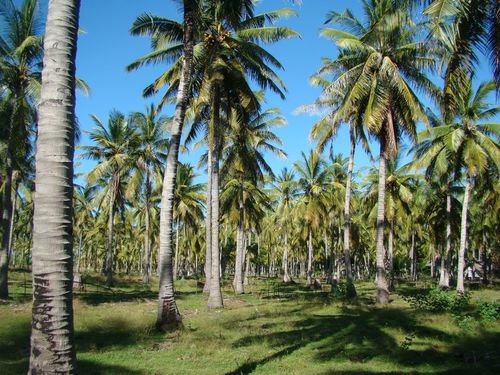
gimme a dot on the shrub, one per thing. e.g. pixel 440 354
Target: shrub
pixel 488 311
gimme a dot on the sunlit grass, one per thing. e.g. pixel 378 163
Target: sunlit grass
pixel 270 330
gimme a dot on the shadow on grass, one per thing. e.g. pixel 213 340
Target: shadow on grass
pixel 360 334
pixel 93 368
pixel 118 296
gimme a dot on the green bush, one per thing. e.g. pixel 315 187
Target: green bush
pixel 488 311
pixel 438 300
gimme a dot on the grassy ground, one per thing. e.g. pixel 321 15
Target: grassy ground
pixel 271 330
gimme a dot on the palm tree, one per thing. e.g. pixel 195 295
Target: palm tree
pixel 52 349
pixel 466 142
pixel 20 61
pixel 285 189
pixel 188 204
pixel 249 136
pixel 378 64
pixel 313 180
pixel 112 149
pixel 149 156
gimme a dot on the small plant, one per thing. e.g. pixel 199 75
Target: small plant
pixel 464 321
pixel 408 340
pixel 488 311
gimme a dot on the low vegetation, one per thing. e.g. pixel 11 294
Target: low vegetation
pixel 272 329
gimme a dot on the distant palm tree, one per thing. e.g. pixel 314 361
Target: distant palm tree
pixel 285 189
pixel 379 64
pixel 113 147
pixel 313 182
pixel 52 344
pixel 21 54
pixel 467 143
pixel 148 156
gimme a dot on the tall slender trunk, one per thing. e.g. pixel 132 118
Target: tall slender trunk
pixel 145 275
pixel 176 257
pixel 238 264
pixel 10 250
pixel 382 287
pixel 463 237
pixel 79 253
pixel 168 313
pixel 247 258
pixel 52 344
pixel 108 269
pixel 215 294
pixel 413 260
pixel 309 257
pixel 286 276
pixel 351 290
pixel 6 217
pixel 444 276
pixel 208 234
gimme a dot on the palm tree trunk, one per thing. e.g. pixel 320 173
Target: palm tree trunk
pixel 247 258
pixel 286 276
pixel 351 290
pixel 444 276
pixel 309 257
pixel 79 253
pixel 463 237
pixel 168 313
pixel 145 275
pixel 176 256
pixel 238 264
pixel 108 269
pixel 52 348
pixel 413 266
pixel 382 287
pixel 6 217
pixel 215 294
pixel 11 225
pixel 208 235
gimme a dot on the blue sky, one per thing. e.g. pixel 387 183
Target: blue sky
pixel 106 47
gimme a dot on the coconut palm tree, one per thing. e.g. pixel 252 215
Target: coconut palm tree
pixel 248 137
pixel 313 182
pixel 380 63
pixel 113 149
pixel 52 349
pixel 188 205
pixel 149 156
pixel 20 60
pixel 285 190
pixel 468 144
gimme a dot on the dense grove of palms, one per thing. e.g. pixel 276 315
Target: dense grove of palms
pixel 230 218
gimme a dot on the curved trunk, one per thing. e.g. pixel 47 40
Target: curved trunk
pixel 168 313
pixel 351 290
pixel 215 294
pixel 382 288
pixel 444 275
pixel 52 348
pixel 238 264
pixel 309 257
pixel 463 237
pixel 286 276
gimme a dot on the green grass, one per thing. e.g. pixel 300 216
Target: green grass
pixel 271 330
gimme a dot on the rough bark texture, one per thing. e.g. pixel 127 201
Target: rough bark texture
pixel 351 290
pixel 444 275
pixel 176 258
pixel 463 237
pixel 168 313
pixel 52 348
pixel 215 294
pixel 382 287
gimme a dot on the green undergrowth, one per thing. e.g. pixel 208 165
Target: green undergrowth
pixel 273 329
